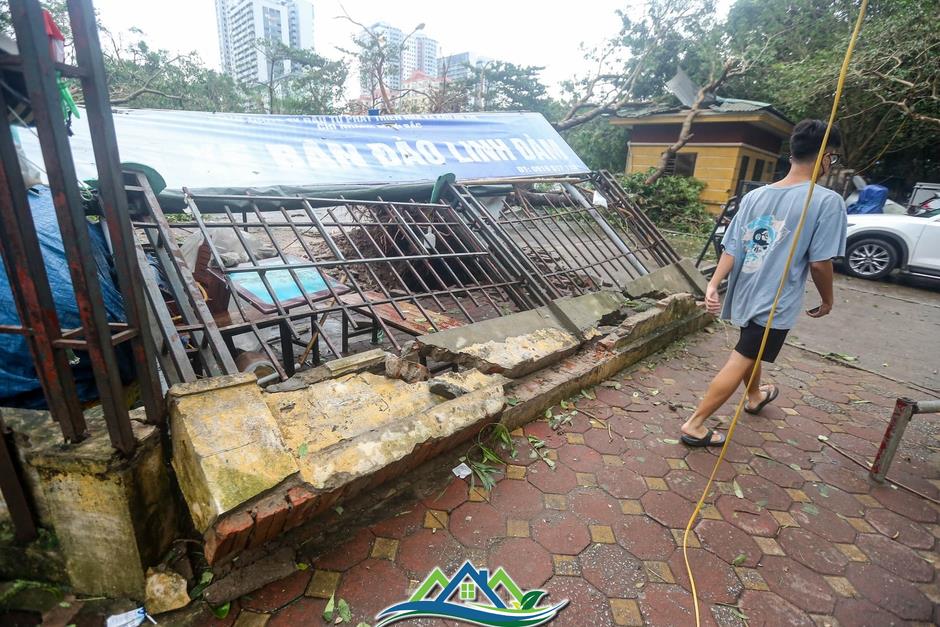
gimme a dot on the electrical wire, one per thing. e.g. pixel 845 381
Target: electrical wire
pixel 783 280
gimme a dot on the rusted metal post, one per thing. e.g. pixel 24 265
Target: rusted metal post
pixel 11 486
pixel 904 409
pixel 113 201
pixel 39 70
pixel 22 258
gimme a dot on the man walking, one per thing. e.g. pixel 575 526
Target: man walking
pixel 756 246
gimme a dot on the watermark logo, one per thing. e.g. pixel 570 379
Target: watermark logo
pixel 471 595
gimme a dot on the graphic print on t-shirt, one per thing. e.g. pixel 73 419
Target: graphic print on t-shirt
pixel 761 235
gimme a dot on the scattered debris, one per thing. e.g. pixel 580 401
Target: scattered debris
pixel 165 591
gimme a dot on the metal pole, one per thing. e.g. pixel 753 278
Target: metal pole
pixel 903 410
pixel 29 284
pixel 113 199
pixel 39 70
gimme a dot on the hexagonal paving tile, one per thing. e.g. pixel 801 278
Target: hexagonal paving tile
pixel 557 480
pixel 561 533
pixel 645 538
pixel 580 458
pixel 688 484
pixel 399 524
pixel 702 462
pixel 365 598
pixel 627 426
pixel 621 482
pixel 605 443
pixel 788 454
pixel 889 592
pixel 862 612
pixel 453 495
pixel 715 580
pixel 645 463
pixel 895 557
pixel 594 506
pixel 421 552
pixel 905 504
pixel 728 542
pixel 798 584
pixel 297 613
pixel 898 528
pixel 833 498
pixel 614 398
pixel 664 604
pixel 613 571
pixel 747 516
pixel 848 479
pixel 767 608
pixel 278 593
pixel 586 604
pixel 777 473
pixel 544 432
pixel 475 524
pixel 667 508
pixel 347 554
pixel 517 499
pixel 812 551
pixel 824 523
pixel 527 562
pixel 762 492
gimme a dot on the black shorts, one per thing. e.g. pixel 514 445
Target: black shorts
pixel 749 343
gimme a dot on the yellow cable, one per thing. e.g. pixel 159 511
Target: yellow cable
pixel 773 308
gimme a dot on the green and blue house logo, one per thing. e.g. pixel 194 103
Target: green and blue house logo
pixel 477 600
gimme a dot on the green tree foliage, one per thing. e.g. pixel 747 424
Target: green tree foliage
pixel 890 111
pixel 600 145
pixel 499 86
pixel 671 202
pixel 300 81
pixel 142 77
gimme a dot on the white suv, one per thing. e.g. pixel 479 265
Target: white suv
pixel 879 243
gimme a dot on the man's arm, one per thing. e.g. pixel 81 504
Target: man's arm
pixel 712 300
pixel 822 279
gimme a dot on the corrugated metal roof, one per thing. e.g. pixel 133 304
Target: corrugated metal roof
pixel 722 105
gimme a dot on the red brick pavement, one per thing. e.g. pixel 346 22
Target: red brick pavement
pixel 811 542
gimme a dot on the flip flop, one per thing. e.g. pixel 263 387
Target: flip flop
pixel 771 395
pixel 701 442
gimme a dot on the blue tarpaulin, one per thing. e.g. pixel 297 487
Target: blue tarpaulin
pixel 19 386
pixel 870 200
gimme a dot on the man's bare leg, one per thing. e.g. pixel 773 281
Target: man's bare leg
pixel 736 369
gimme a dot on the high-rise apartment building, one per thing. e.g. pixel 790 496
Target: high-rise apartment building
pixel 456 67
pixel 416 54
pixel 242 23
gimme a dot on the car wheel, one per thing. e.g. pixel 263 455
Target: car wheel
pixel 872 258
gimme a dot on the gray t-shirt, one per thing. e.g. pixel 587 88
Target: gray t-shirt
pixel 759 238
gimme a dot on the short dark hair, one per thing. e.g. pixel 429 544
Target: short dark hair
pixel 807 137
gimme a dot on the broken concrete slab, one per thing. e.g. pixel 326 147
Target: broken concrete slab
pixel 520 343
pixel 330 412
pixel 227 448
pixel 454 384
pixel 369 361
pixel 633 327
pixel 407 371
pixel 379 454
pixel 679 277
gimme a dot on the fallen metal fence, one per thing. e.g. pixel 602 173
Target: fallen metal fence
pixel 390 270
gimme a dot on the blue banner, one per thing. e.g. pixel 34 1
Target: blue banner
pixel 215 150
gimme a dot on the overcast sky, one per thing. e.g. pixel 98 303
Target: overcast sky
pixel 525 32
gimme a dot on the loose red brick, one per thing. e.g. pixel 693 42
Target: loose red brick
pixel 301 501
pixel 270 516
pixel 229 535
